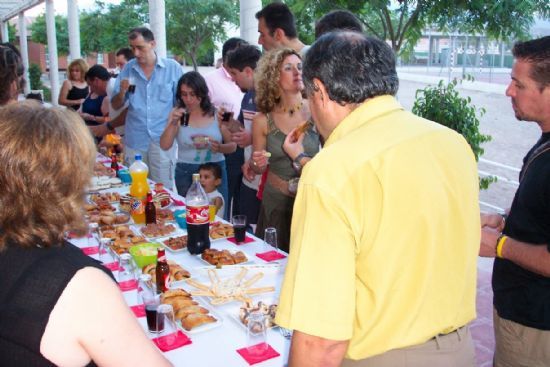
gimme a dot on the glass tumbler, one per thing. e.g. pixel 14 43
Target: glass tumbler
pixel 256 334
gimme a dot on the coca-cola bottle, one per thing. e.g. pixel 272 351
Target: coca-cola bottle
pixel 162 272
pixel 150 210
pixel 197 218
pixel 114 163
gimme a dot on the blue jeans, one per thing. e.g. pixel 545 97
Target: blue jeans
pixel 184 178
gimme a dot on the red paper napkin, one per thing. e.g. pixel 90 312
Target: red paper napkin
pixel 72 235
pixel 253 358
pixel 138 310
pixel 128 285
pixel 92 250
pixel 172 341
pixel 177 202
pixel 271 256
pixel 246 240
pixel 114 266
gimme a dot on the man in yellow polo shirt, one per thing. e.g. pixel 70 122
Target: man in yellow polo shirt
pixel 385 231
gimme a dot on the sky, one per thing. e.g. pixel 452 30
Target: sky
pixel 61 6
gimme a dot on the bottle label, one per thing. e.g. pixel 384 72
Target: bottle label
pixel 166 282
pixel 137 206
pixel 197 214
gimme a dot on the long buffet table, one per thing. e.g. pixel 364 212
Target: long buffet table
pixel 216 344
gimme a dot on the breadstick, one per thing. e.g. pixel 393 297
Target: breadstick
pixel 198 285
pixel 259 290
pixel 253 280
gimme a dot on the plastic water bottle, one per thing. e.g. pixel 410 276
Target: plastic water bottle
pixel 138 189
pixel 197 204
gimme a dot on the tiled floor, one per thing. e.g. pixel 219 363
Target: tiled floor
pixel 482 327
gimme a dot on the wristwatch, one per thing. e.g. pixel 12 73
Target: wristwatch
pixel 296 162
pixel 109 126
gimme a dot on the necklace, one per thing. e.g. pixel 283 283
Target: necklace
pixel 292 109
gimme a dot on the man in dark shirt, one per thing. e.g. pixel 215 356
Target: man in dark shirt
pixel 241 63
pixel 521 273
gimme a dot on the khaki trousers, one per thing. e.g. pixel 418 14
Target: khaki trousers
pixel 455 349
pixel 520 346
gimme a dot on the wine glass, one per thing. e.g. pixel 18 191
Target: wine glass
pixel 270 237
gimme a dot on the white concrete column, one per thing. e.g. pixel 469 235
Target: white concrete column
pixel 74 29
pixel 24 49
pixel 249 23
pixel 52 50
pixel 158 25
pixel 5 35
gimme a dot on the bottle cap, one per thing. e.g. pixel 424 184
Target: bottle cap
pixel 138 157
pixel 196 177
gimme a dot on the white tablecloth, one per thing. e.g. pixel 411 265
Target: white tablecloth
pixel 216 346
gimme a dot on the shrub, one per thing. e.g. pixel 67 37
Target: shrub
pixel 445 106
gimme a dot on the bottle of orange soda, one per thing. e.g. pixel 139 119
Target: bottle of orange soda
pixel 138 189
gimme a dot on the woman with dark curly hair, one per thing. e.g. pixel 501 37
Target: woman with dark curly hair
pixel 281 137
pixel 59 306
pixel 195 127
pixel 11 74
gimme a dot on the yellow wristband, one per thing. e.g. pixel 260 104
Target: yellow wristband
pixel 500 245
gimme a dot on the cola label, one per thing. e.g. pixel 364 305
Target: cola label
pixel 166 282
pixel 137 206
pixel 197 214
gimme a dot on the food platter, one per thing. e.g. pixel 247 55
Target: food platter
pixel 219 230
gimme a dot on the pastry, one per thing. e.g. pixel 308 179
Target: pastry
pixel 196 319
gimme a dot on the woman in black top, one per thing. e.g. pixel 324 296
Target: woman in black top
pixel 74 88
pixel 58 306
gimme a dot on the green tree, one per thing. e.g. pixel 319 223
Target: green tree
pixel 444 105
pixel 39 35
pixel 193 26
pixel 402 21
pixel 106 27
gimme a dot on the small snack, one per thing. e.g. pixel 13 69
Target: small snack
pixel 122 218
pixel 125 203
pixel 152 230
pixel 268 310
pixel 176 271
pixel 164 215
pixel 267 154
pixel 221 230
pixel 301 129
pixel 162 199
pixel 176 243
pixel 223 257
pixel 174 293
pixel 106 197
pixel 196 319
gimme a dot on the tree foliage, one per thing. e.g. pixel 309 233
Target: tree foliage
pixel 401 22
pixel 39 35
pixel 193 26
pixel 444 105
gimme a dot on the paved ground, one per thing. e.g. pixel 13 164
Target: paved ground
pixel 503 157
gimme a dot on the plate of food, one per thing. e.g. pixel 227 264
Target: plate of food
pixel 219 230
pixel 175 244
pixel 177 272
pixel 122 238
pixel 156 230
pixel 164 215
pixel 267 308
pixel 221 258
pixel 191 314
pixel 108 197
pixel 240 286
